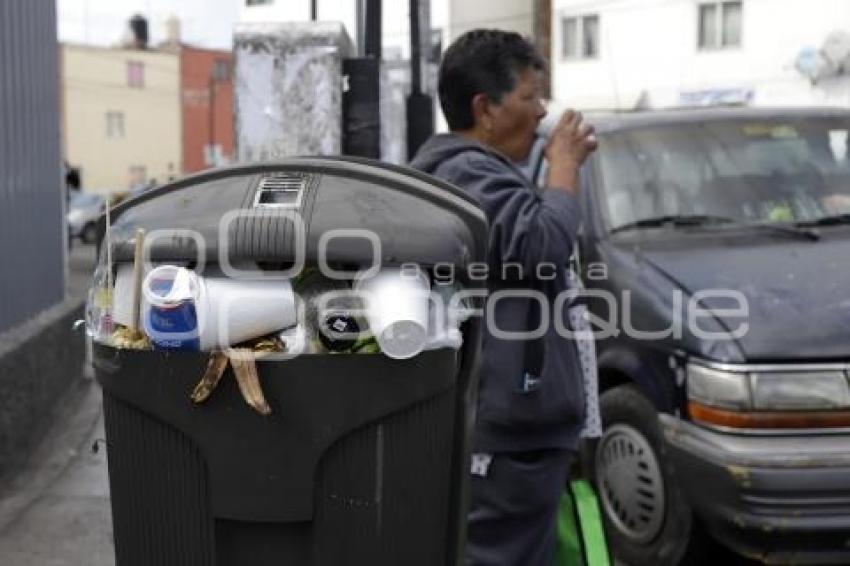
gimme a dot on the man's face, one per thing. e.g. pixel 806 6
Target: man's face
pixel 515 118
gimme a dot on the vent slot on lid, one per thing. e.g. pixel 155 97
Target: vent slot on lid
pixel 281 190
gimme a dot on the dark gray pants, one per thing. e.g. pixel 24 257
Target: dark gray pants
pixel 513 509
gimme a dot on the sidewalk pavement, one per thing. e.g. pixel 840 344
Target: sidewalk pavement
pixel 57 512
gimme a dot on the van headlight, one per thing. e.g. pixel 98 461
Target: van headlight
pixel 717 388
pixel 788 391
pixel 768 399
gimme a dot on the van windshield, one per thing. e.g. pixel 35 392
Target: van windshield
pixel 756 171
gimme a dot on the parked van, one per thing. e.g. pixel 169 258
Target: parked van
pixel 716 256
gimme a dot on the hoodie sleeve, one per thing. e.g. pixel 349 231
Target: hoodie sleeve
pixel 526 227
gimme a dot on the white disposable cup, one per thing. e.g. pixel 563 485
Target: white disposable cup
pixel 231 311
pixel 397 304
pixel 183 287
pixel 122 296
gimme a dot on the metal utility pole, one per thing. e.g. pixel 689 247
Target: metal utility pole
pixel 361 101
pixel 212 157
pixel 218 74
pixel 314 10
pixel 360 25
pixel 543 32
pixel 420 106
pixel 415 48
pixel 373 29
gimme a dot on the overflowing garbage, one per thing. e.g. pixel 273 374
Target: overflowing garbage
pixel 394 311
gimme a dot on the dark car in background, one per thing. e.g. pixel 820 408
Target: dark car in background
pixel 716 255
pixel 84 210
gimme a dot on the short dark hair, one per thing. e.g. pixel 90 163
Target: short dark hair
pixel 482 61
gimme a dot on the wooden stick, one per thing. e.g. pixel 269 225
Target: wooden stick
pixel 138 273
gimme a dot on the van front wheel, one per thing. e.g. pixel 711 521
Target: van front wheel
pixel 646 519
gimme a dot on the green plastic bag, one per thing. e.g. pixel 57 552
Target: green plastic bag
pixel 581 538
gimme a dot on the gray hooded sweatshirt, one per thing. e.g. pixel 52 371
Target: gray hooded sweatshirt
pixel 517 410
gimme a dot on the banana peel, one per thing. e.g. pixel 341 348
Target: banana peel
pixel 129 339
pixel 243 361
pixel 266 346
pixel 245 370
pixel 216 366
pixel 244 367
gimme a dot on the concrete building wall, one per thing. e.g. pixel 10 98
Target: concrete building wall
pixel 648 50
pixel 39 354
pixel 32 218
pixel 145 142
pixel 289 89
pixel 201 88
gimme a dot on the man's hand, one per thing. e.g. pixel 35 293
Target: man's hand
pixel 570 142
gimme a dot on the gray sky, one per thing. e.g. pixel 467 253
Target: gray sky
pixel 206 23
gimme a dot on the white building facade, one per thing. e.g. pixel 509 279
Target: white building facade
pixel 122 116
pixel 513 15
pixel 624 54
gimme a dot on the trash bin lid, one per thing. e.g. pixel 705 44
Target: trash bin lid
pixel 340 210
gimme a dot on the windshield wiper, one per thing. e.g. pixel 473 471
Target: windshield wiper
pixel 704 219
pixel 826 221
pixel 674 220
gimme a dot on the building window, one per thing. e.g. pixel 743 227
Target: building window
pixel 221 70
pixel 135 74
pixel 590 36
pixel 580 37
pixel 115 125
pixel 258 2
pixel 138 176
pixel 720 24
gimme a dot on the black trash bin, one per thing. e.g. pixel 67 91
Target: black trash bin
pixel 364 458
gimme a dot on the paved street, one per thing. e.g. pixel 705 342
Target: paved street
pixel 80 265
